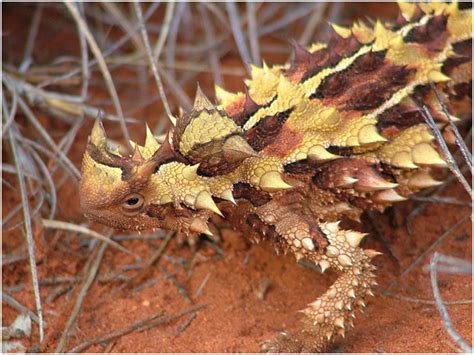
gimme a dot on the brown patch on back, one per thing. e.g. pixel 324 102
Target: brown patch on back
pixel 459 68
pixel 266 130
pixel 364 91
pixel 406 114
pixel 463 54
pixel 305 64
pixel 462 90
pixel 453 62
pixel 457 99
pixel 285 142
pixel 432 35
pixel 248 192
pixel 335 84
pixel 397 118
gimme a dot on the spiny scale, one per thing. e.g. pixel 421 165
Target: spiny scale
pixel 333 133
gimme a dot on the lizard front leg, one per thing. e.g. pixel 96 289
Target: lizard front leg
pixel 330 247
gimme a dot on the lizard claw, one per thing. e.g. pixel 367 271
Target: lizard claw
pixel 284 343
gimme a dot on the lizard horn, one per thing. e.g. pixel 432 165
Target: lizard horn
pixel 98 150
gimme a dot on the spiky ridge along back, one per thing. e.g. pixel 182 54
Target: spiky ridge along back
pixel 353 97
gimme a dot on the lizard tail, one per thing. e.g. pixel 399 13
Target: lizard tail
pixel 331 313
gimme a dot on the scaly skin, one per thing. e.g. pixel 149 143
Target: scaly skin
pixel 331 134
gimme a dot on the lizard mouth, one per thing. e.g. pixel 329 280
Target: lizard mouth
pixel 136 223
pixel 97 216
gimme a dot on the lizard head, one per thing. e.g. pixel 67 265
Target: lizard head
pixel 112 189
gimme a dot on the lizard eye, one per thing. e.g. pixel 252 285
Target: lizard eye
pixel 132 204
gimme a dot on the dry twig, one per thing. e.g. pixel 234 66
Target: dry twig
pixel 86 231
pixel 139 326
pixel 153 58
pixel 92 272
pixel 28 232
pixel 103 67
pixel 442 309
pixel 453 166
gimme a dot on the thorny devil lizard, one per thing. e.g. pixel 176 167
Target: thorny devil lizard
pixel 333 133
